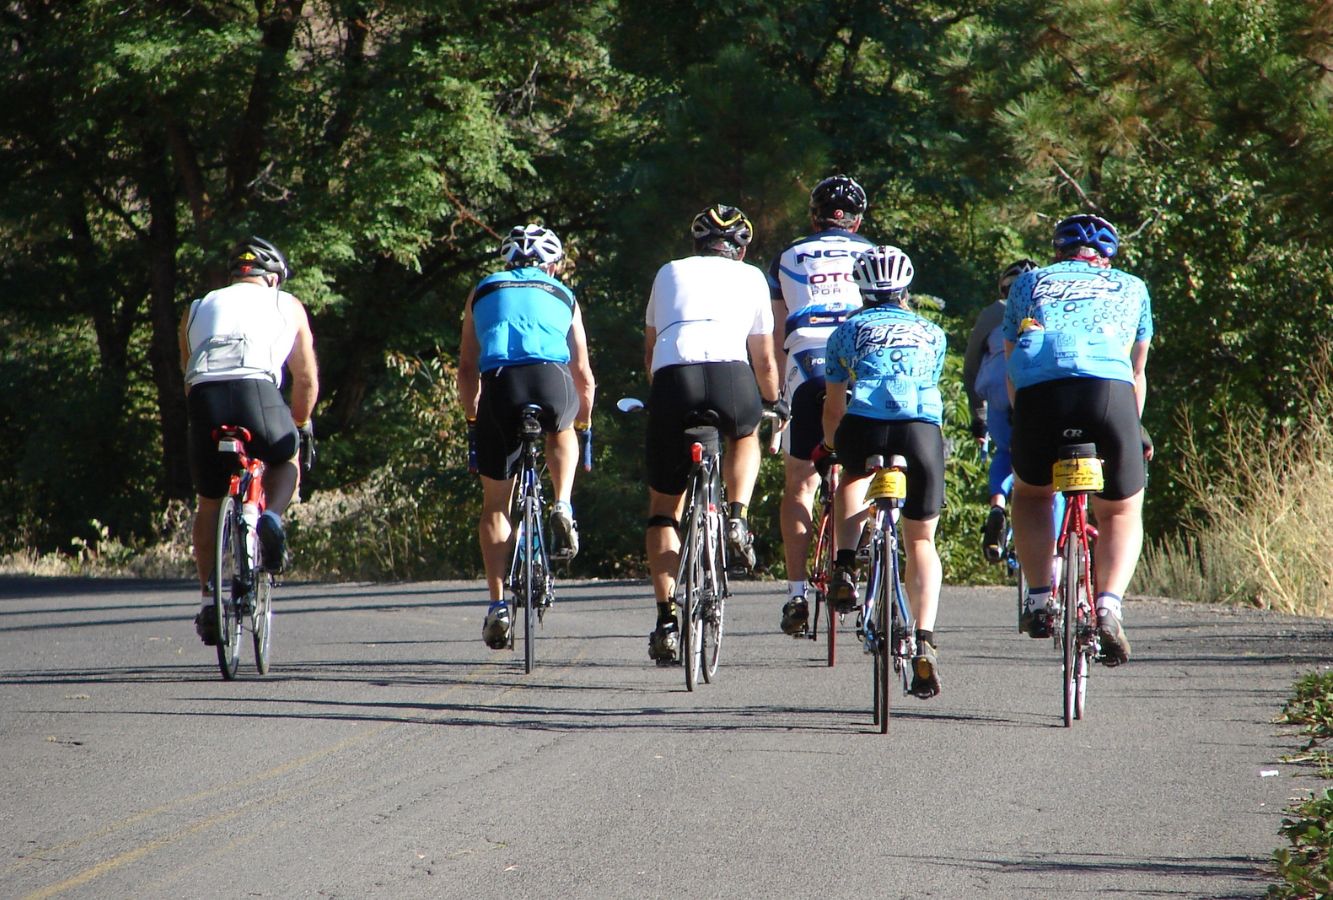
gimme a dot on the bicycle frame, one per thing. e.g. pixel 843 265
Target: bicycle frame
pixel 530 566
pixel 701 579
pixel 241 587
pixel 886 618
pixel 1075 622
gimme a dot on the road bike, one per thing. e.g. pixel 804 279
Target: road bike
pixel 242 589
pixel 530 579
pixel 821 565
pixel 1076 474
pixel 886 626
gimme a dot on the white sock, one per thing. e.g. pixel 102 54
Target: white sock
pixel 565 507
pixel 1108 603
pixel 1037 599
pixel 796 589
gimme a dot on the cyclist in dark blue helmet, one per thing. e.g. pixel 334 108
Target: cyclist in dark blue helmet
pixel 1076 335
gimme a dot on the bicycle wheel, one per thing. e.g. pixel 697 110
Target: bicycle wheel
pixel 691 632
pixel 261 619
pixel 821 569
pixel 886 614
pixel 529 583
pixel 1068 633
pixel 714 600
pixel 228 587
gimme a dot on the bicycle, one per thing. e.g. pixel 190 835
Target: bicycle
pixel 886 625
pixel 821 565
pixel 242 589
pixel 530 577
pixel 1076 474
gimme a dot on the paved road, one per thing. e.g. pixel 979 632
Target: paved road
pixel 389 754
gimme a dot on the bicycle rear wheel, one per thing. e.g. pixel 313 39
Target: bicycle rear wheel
pixel 715 599
pixel 228 587
pixel 821 570
pixel 1069 603
pixel 261 619
pixel 691 632
pixel 529 583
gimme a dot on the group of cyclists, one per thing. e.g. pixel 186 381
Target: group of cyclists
pixel 827 340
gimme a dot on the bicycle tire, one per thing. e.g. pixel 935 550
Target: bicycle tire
pixel 819 577
pixel 226 584
pixel 1069 588
pixel 715 601
pixel 529 584
pixel 887 615
pixel 692 563
pixel 261 620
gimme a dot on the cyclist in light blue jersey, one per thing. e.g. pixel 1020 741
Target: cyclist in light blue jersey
pixel 1076 335
pixel 891 360
pixel 813 293
pixel 523 343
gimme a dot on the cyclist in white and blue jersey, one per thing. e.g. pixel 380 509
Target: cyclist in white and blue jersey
pixel 523 343
pixel 891 360
pixel 1076 335
pixel 813 293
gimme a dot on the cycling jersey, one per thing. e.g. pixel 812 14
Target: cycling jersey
pixel 1087 317
pixel 704 308
pixel 817 269
pixel 242 331
pixel 893 359
pixel 522 316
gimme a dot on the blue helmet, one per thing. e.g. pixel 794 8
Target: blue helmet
pixel 1084 230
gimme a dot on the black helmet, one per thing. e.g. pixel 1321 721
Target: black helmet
pixel 1011 273
pixel 837 194
pixel 254 255
pixel 721 223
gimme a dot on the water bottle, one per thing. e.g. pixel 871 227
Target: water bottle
pixel 250 516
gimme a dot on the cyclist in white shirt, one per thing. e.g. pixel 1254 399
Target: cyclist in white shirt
pixel 708 316
pixel 813 293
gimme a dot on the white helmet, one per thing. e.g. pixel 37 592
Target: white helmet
pixel 531 245
pixel 882 274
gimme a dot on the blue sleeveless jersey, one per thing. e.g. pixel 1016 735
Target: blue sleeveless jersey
pixel 1090 317
pixel 522 316
pixel 893 359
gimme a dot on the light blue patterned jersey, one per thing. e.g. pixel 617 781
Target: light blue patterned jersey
pixel 1089 318
pixel 893 359
pixel 522 315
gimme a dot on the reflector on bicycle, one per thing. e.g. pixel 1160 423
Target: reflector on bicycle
pixel 1083 473
pixel 696 452
pixel 888 484
pixel 230 445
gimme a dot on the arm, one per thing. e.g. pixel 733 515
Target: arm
pixel 779 333
pixel 580 367
pixel 1008 382
pixel 835 407
pixel 183 339
pixel 305 372
pixel 1138 358
pixel 469 356
pixel 765 366
pixel 976 347
pixel 649 340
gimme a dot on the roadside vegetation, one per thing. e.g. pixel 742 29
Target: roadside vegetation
pixel 1305 866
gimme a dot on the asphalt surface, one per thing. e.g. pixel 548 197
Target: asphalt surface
pixel 390 754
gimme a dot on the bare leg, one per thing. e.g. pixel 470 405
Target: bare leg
pixel 740 467
pixel 205 538
pixel 663 544
pixel 1119 541
pixel 849 510
pixel 924 572
pixel 1034 533
pixel 798 498
pixel 562 459
pixel 495 531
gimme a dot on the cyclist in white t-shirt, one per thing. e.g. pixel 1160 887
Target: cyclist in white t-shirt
pixel 813 293
pixel 708 316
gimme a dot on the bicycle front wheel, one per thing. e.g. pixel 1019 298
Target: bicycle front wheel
pixel 261 619
pixel 1071 566
pixel 228 587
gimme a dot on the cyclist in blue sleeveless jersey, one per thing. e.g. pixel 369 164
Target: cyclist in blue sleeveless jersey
pixel 891 360
pixel 523 342
pixel 1077 334
pixel 813 293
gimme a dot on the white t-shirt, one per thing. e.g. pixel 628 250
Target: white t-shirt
pixel 704 308
pixel 244 330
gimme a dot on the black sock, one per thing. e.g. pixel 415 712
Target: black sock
pixel 739 510
pixel 846 558
pixel 666 612
pixel 927 636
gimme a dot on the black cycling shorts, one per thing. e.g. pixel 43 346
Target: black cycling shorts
pixel 252 403
pixel 807 419
pixel 504 393
pixel 727 389
pixel 920 443
pixel 1077 411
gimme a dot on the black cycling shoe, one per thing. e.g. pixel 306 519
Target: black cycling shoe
pixel 273 541
pixel 992 535
pixel 206 625
pixel 1035 623
pixel 664 643
pixel 842 594
pixel 1115 646
pixel 795 616
pixel 925 671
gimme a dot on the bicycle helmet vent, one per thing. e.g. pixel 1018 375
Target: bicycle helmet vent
pixel 531 245
pixel 883 274
pixel 1011 273
pixel 722 222
pixel 1084 230
pixel 837 194
pixel 254 255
